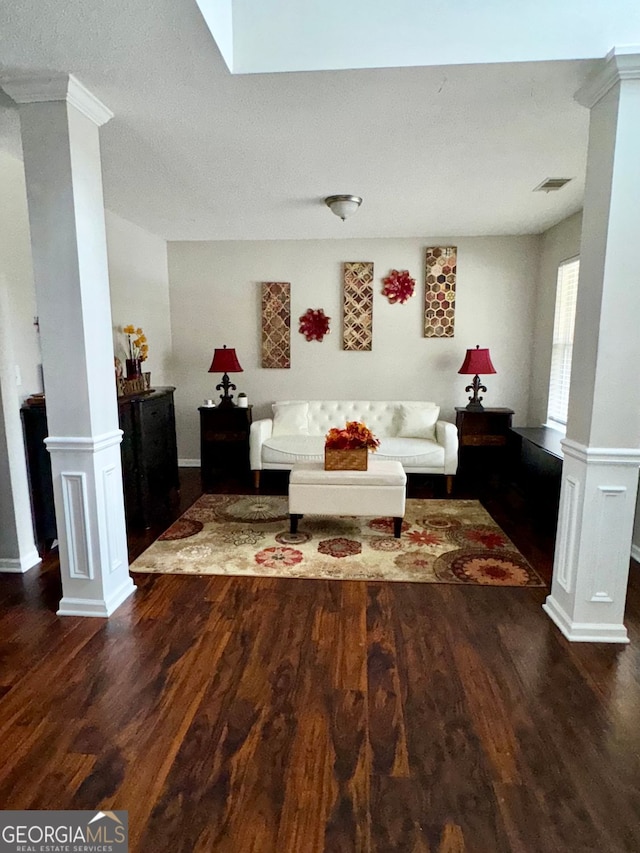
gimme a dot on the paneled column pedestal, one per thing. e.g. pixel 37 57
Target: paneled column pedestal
pixel 591 566
pixel 87 484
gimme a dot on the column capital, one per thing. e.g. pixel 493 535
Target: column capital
pixel 57 87
pixel 621 63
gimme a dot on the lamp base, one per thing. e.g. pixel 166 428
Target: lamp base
pixel 474 404
pixel 226 399
pixel 226 403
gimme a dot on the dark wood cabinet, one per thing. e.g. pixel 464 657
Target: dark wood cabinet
pixel 483 438
pixel 149 457
pixel 537 470
pixel 34 425
pixel 149 461
pixel 224 442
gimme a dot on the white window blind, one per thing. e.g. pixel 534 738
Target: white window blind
pixel 563 325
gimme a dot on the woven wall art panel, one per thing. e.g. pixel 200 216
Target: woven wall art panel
pixel 357 314
pixel 440 291
pixel 276 324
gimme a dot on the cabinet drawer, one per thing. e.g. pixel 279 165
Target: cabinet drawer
pixel 483 440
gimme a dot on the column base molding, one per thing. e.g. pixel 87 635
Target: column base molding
pixel 593 543
pixel 20 565
pixel 96 607
pixel 583 632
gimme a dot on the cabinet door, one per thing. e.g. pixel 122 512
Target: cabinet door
pixel 130 479
pixel 34 421
pixel 156 455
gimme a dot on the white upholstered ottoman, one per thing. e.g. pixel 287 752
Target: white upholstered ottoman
pixel 381 490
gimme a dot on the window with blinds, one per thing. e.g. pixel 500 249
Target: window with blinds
pixel 563 325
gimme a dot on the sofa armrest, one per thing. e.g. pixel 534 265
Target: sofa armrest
pixel 260 431
pixel 447 436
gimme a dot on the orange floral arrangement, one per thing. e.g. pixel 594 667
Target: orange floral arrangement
pixel 354 435
pixel 137 341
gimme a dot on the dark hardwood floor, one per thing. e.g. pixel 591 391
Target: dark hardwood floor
pixel 247 715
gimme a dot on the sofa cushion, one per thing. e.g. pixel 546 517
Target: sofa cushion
pixel 293 448
pixel 379 415
pixel 412 452
pixel 418 421
pixel 290 418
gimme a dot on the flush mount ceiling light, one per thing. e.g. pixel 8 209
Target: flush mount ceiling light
pixel 343 205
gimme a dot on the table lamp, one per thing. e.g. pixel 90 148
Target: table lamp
pixel 225 361
pixel 476 361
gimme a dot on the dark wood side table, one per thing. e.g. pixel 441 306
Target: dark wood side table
pixel 487 428
pixel 224 442
pixel 483 437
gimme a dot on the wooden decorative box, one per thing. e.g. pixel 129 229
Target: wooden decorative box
pixel 346 460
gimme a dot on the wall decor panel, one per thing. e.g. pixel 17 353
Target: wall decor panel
pixel 276 324
pixel 440 291
pixel 357 317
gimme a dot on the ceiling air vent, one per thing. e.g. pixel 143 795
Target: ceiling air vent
pixel 551 185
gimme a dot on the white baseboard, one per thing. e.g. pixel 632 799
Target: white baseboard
pixel 188 463
pixel 20 565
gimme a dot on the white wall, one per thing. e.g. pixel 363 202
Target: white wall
pixel 138 278
pixel 139 283
pixel 558 244
pixel 15 266
pixel 215 300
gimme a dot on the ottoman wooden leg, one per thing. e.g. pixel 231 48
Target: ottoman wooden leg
pixel 256 479
pixel 449 480
pixel 397 527
pixel 293 522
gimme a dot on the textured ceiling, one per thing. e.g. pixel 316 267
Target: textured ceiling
pixel 194 153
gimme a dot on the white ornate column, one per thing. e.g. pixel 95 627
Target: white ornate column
pixel 602 448
pixel 59 119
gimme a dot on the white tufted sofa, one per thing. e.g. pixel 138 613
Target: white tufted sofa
pixel 409 432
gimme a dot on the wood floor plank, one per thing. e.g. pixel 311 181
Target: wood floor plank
pixel 441 737
pixel 387 730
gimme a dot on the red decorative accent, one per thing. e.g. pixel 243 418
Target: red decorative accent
pixel 339 547
pixel 477 361
pixel 225 361
pixel 489 539
pixel 398 286
pixel 314 325
pixel 273 558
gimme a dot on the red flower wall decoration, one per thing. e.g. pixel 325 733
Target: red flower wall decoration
pixel 314 325
pixel 398 286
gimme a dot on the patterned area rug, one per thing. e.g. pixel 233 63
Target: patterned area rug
pixel 443 541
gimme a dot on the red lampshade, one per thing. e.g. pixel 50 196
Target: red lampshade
pixel 225 361
pixel 477 361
